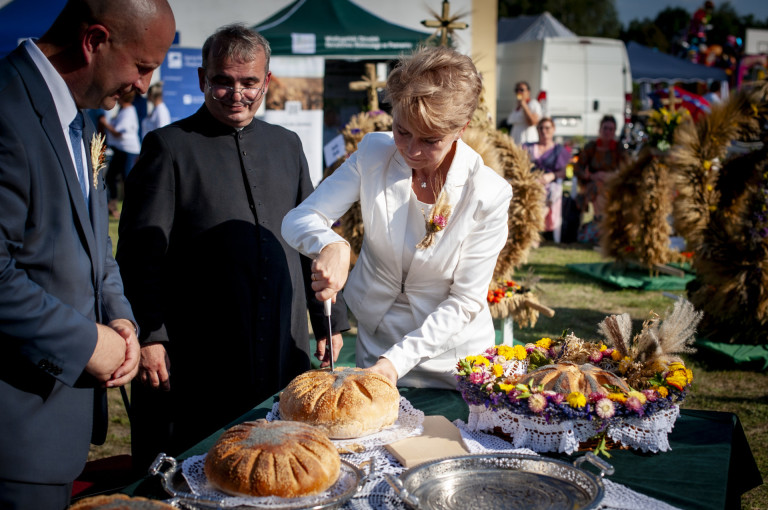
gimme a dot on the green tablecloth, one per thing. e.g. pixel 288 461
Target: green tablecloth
pixel 630 278
pixel 710 464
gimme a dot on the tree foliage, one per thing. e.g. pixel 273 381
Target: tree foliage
pixel 670 26
pixel 597 18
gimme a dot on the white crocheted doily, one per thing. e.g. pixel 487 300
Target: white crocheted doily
pixel 534 432
pixel 409 423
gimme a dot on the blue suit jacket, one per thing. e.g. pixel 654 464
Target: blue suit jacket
pixel 57 279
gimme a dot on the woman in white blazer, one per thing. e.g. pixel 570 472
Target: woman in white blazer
pixel 435 220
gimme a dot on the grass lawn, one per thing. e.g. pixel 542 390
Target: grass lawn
pixel 580 304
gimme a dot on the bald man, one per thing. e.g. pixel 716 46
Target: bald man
pixel 66 330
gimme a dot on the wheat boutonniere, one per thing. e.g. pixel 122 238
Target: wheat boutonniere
pixel 98 156
pixel 436 221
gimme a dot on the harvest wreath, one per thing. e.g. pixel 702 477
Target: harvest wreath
pixel 556 394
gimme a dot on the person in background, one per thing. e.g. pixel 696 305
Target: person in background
pixel 713 96
pixel 220 296
pixel 551 159
pixel 66 330
pixel 523 119
pixel 123 139
pixel 160 115
pixel 435 220
pixel 598 161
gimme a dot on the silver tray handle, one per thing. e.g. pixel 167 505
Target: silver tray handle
pixel 165 474
pixel 603 466
pixel 401 491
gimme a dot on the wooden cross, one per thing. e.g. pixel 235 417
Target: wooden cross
pixel 671 100
pixel 370 84
pixel 445 24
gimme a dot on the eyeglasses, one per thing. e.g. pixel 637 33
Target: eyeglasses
pixel 248 95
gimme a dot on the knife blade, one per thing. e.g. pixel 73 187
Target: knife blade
pixel 329 343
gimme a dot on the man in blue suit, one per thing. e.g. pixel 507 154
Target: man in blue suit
pixel 66 330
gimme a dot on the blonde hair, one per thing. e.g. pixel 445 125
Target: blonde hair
pixel 436 89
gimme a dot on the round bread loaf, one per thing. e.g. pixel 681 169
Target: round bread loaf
pixel 280 458
pixel 346 403
pixel 568 377
pixel 119 502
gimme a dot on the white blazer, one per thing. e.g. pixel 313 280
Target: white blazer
pixel 447 283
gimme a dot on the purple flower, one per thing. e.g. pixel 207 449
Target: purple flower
pixel 650 395
pixel 439 221
pixel 634 404
pixel 596 396
pixel 557 398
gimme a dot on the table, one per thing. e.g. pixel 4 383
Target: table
pixel 710 464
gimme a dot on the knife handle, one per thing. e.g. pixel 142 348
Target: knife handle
pixel 327 307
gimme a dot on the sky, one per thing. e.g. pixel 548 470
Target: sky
pixel 636 9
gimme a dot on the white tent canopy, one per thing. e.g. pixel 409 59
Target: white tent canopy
pixel 531 28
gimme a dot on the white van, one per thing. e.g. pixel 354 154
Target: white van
pixel 576 79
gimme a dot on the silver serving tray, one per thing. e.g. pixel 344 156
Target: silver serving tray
pixel 351 478
pixel 509 481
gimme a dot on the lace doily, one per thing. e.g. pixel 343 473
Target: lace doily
pixel 192 469
pixel 409 423
pixel 534 432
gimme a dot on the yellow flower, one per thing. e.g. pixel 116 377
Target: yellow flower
pixel 505 350
pixel 506 388
pixel 707 165
pixel 544 343
pixel 676 366
pixel 617 397
pixel 497 370
pixel 478 360
pixel 678 380
pixel 615 355
pixel 658 366
pixel 639 395
pixel 603 347
pixel 689 375
pixel 520 352
pixel 662 391
pixel 625 364
pixel 577 399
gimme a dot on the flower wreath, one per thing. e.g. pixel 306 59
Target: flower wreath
pixel 499 378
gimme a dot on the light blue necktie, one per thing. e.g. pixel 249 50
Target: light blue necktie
pixel 76 138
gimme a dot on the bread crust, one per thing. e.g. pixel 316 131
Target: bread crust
pixel 346 403
pixel 119 502
pixel 281 458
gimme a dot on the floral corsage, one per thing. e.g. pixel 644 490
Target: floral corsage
pixel 98 156
pixel 436 221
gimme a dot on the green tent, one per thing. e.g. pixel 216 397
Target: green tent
pixel 336 28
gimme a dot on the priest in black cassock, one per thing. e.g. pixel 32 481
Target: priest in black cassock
pixel 220 298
